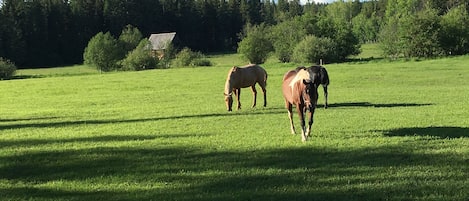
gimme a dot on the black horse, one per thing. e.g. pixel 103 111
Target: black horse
pixel 323 79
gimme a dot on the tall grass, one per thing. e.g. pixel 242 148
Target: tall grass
pixel 394 131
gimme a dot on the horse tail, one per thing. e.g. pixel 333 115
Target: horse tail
pixel 324 76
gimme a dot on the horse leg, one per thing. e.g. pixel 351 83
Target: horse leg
pixel 310 122
pixel 254 94
pixel 238 94
pixel 264 91
pixel 289 107
pixel 325 96
pixel 301 113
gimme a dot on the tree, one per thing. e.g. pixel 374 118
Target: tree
pixel 420 34
pixel 284 38
pixel 130 38
pixel 7 69
pixel 455 31
pixel 313 49
pixel 336 24
pixel 256 46
pixel 102 52
pixel 366 28
pixel 140 58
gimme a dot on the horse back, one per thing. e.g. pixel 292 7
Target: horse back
pixel 321 74
pixel 250 75
pixel 287 89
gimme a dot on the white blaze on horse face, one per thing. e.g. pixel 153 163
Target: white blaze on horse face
pixel 300 75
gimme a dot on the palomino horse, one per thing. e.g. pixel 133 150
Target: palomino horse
pixel 242 77
pixel 300 88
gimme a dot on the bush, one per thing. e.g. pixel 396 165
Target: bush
pixel 140 58
pixel 187 57
pixel 7 69
pixel 312 49
pixel 103 52
pixel 256 46
pixel 201 62
pixel 284 38
pixel 130 38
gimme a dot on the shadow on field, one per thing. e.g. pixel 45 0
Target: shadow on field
pixel 188 173
pixel 377 105
pixel 102 138
pixel 13 125
pixel 28 119
pixel 440 132
pixel 18 77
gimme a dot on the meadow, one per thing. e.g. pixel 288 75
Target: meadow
pixel 394 131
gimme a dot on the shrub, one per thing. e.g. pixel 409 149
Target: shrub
pixel 103 52
pixel 201 62
pixel 312 49
pixel 130 38
pixel 256 46
pixel 7 69
pixel 187 57
pixel 140 58
pixel 284 38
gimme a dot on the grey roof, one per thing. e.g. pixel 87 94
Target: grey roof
pixel 161 40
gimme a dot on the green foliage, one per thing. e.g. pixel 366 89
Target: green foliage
pixel 285 37
pixel 187 57
pixel 420 34
pixel 366 28
pixel 424 29
pixel 201 62
pixel 103 52
pixel 130 38
pixel 313 49
pixel 455 31
pixel 389 39
pixel 140 58
pixel 256 46
pixel 7 69
pixel 337 25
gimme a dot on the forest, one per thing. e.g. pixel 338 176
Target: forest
pixel 44 33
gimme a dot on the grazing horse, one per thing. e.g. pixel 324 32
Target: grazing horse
pixel 242 77
pixel 323 80
pixel 300 89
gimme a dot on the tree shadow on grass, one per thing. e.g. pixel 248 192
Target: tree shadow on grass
pixel 13 125
pixel 190 173
pixel 439 132
pixel 376 105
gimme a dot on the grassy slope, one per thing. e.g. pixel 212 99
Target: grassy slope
pixel 394 131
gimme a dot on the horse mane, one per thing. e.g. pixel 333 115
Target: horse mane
pixel 301 74
pixel 228 88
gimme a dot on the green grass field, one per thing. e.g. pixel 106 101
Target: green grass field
pixel 394 131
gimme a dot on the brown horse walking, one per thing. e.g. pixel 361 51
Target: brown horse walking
pixel 242 77
pixel 300 89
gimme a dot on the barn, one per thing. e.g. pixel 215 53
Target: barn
pixel 159 42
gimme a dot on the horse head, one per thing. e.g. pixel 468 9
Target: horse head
pixel 229 101
pixel 309 94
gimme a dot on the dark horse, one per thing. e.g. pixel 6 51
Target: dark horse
pixel 242 77
pixel 323 80
pixel 300 88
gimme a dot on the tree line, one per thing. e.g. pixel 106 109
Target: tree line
pixel 38 33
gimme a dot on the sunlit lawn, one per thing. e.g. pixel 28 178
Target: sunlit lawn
pixel 394 131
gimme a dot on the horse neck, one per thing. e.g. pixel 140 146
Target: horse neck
pixel 228 87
